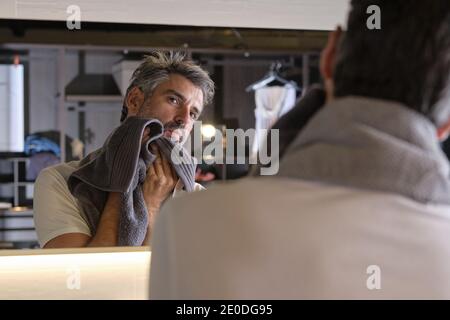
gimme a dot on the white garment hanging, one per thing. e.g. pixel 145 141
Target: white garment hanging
pixel 271 103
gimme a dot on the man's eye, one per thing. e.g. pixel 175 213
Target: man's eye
pixel 194 115
pixel 173 100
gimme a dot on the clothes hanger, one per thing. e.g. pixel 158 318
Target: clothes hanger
pixel 271 76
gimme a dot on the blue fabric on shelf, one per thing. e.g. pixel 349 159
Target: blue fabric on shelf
pixel 36 144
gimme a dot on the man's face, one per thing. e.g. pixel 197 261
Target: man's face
pixel 177 103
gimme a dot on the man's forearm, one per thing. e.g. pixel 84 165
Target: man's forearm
pixel 152 212
pixel 107 230
pixel 148 235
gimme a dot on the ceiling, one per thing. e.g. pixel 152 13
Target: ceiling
pixel 30 32
pixel 267 14
pixel 216 25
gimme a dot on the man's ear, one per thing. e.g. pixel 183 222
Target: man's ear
pixel 328 54
pixel 134 101
pixel 443 131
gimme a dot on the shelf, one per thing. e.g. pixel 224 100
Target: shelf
pixel 6 178
pixel 18 159
pixel 20 184
pixel 94 98
pixel 11 155
pixel 16 212
pixel 24 184
pixel 17 181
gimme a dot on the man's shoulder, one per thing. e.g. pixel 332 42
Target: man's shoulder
pixel 63 170
pixel 225 193
pixel 54 179
pixel 295 195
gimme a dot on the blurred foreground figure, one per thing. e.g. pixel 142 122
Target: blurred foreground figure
pixel 360 207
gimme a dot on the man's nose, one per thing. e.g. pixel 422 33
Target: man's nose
pixel 183 116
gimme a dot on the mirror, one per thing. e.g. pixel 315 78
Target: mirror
pixel 75 89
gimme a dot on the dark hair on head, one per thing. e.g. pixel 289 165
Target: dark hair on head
pixel 407 60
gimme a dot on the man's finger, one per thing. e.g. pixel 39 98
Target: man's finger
pixel 174 173
pixel 146 135
pixel 167 166
pixel 158 163
pixel 153 148
pixel 151 170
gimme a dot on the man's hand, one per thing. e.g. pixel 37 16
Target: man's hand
pixel 160 181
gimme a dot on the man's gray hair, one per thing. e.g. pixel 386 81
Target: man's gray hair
pixel 156 68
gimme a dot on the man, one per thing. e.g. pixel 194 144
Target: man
pixel 167 87
pixel 361 204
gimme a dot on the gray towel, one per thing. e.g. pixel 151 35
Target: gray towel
pixel 121 166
